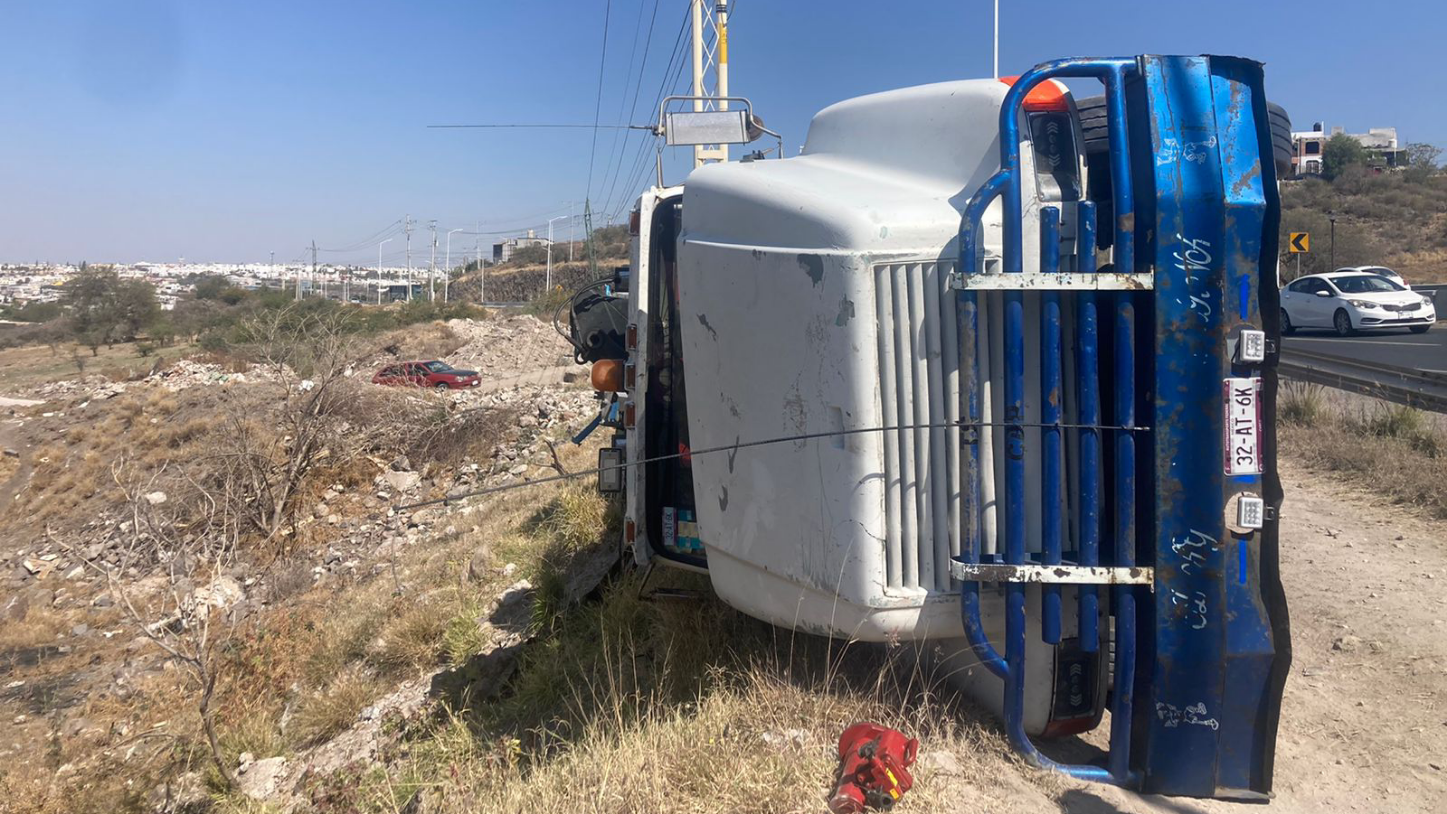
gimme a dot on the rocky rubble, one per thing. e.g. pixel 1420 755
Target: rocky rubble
pixel 504 347
pixel 178 376
pixel 365 527
pixel 351 534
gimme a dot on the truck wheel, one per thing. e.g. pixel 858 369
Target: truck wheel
pixel 1095 137
pixel 1281 142
pixel 1095 146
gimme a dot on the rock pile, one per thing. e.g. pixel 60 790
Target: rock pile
pixel 508 346
pixel 176 377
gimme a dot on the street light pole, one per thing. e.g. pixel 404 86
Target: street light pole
pixel 1331 216
pixel 432 265
pixel 447 265
pixel 379 269
pixel 549 278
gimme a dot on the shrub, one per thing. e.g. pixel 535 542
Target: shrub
pixel 1302 403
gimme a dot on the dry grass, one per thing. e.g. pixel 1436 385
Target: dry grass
pixel 412 639
pixel 334 707
pixel 631 706
pixel 433 340
pixel 24 368
pixel 1395 451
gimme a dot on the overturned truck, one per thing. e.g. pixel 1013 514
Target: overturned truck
pixel 993 367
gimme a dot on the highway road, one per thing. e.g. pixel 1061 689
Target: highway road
pixel 1423 352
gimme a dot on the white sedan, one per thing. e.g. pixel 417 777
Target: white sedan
pixel 1351 301
pixel 1380 271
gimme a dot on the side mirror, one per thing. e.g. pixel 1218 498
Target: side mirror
pixel 1323 294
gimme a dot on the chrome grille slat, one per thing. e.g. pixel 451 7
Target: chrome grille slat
pixel 919 376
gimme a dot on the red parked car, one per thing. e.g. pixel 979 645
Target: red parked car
pixel 435 374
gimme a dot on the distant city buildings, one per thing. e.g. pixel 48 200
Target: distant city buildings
pixel 1380 142
pixel 22 283
pixel 503 249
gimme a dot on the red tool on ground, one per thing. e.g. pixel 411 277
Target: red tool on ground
pixel 874 766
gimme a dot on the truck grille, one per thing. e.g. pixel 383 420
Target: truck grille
pixel 919 391
pixel 919 387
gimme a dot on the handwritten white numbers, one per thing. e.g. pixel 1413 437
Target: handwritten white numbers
pixel 1194 607
pixel 1194 550
pixel 1194 258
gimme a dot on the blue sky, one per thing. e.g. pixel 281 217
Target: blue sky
pixel 156 129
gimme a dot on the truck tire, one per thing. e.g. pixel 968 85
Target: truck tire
pixel 1095 139
pixel 1095 146
pixel 1281 142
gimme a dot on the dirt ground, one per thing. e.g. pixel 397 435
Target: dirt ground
pixel 1364 720
pixel 24 369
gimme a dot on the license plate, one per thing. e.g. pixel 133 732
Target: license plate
pixel 1243 426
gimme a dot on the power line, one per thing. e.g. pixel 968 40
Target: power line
pixel 615 154
pixel 598 105
pixel 366 242
pixel 534 126
pixel 633 109
pixel 641 165
pixel 732 449
pixel 639 169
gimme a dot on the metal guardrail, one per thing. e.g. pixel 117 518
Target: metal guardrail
pixel 1435 292
pixel 1415 388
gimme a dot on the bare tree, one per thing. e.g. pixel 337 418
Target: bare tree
pixel 269 445
pixel 187 534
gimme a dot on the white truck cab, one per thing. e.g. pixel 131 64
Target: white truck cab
pixel 857 434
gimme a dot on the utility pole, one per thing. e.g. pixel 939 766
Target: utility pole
pixel 588 236
pixel 432 264
pixel 997 39
pixel 314 269
pixel 447 266
pixel 571 216
pixel 481 275
pixel 549 283
pixel 379 269
pixel 407 227
pixel 705 59
pixel 271 267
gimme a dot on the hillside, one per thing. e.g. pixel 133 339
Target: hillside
pixel 1396 220
pixel 493 655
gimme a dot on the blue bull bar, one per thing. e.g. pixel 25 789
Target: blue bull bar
pixel 1186 318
